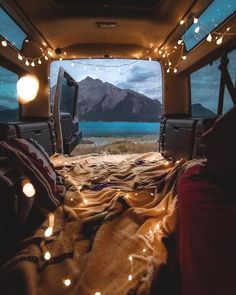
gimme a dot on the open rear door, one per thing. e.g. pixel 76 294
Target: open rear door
pixel 65 113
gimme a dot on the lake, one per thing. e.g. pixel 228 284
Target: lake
pixel 119 129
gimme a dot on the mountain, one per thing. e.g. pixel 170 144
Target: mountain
pixel 102 101
pixel 200 111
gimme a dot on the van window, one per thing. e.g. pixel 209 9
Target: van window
pixel 214 15
pixel 10 31
pixel 68 96
pixel 205 87
pixel 9 105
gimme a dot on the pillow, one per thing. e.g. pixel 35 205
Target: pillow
pixel 29 186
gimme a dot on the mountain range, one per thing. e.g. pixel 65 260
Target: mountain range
pixel 103 101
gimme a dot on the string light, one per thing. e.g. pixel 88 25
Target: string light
pixel 67 282
pixel 20 57
pixel 209 38
pixel 47 255
pixel 28 189
pixel 195 20
pixel 182 22
pixel 219 41
pixel 4 43
pixel 130 277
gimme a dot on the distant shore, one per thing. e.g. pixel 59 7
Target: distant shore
pixel 117 145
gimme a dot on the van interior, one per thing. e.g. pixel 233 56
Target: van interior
pixel 159 222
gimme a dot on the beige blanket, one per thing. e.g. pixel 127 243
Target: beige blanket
pixel 107 237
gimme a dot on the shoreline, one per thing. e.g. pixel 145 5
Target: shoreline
pixel 117 145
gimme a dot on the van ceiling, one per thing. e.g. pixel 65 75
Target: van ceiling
pixel 72 24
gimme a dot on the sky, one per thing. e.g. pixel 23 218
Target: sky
pixel 139 75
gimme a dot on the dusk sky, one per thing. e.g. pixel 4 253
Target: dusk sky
pixel 139 75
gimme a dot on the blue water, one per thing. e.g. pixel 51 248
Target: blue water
pixel 119 129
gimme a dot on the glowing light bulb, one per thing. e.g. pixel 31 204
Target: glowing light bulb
pixel 65 53
pixel 164 55
pixel 67 282
pixel 197 29
pixel 144 250
pixel 169 63
pixel 168 70
pixel 195 20
pixel 27 63
pixel 209 38
pixel 4 43
pixel 97 293
pixel 180 41
pixel 181 22
pixel 130 258
pixel 219 41
pixel 158 226
pixel 20 57
pixel 228 29
pixel 39 62
pixel 160 52
pixel 48 232
pixel 149 58
pixel 27 88
pixel 175 70
pixel 184 57
pixel 60 58
pixel 130 277
pixel 47 256
pixel 28 189
pixel 33 64
pixel 45 56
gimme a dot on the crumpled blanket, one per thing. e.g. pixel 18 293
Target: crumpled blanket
pixel 107 237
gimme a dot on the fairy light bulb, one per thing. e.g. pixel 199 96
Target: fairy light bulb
pixel 47 255
pixel 27 63
pixel 20 57
pixel 160 52
pixel 168 70
pixel 60 58
pixel 130 258
pixel 45 56
pixel 149 58
pixel 28 189
pixel 180 41
pixel 27 88
pixel 97 293
pixel 209 38
pixel 181 22
pixel 184 57
pixel 195 20
pixel 175 70
pixel 130 277
pixel 197 29
pixel 4 43
pixel 169 63
pixel 219 41
pixel 48 232
pixel 39 62
pixel 144 250
pixel 33 64
pixel 67 282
